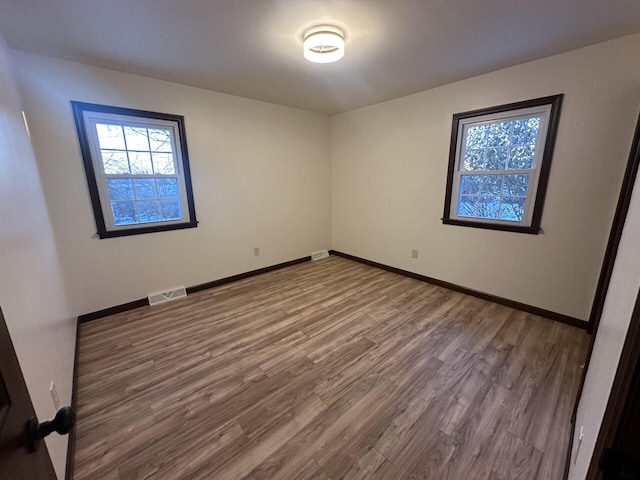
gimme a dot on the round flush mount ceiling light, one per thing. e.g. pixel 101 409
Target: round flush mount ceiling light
pixel 323 44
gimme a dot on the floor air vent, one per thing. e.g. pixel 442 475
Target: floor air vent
pixel 319 255
pixel 167 296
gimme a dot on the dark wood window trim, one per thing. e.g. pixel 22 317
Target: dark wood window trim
pixel 545 167
pixel 83 136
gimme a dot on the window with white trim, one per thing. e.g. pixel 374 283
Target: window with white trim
pixel 137 169
pixel 499 164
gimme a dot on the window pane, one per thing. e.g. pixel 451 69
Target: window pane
pixel 497 158
pixel 148 211
pixel 120 188
pixel 167 187
pixel 114 162
pixel 110 136
pixel 498 134
pixel 525 131
pixel 170 209
pixel 467 206
pixel 145 188
pixel 140 163
pixel 476 136
pixel 512 209
pixel 124 213
pixel 488 207
pixel 135 163
pixel 487 147
pixel 163 163
pixel 160 140
pixel 500 161
pixel 470 184
pixel 137 138
pixel 473 159
pixel 521 157
pixel 515 185
pixel 491 185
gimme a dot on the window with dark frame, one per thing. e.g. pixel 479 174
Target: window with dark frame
pixel 137 169
pixel 499 164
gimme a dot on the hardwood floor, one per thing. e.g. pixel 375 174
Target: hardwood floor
pixel 326 370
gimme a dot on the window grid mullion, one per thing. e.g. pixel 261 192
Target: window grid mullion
pixel 153 176
pixel 118 205
pixel 153 169
pixel 505 136
pixel 497 172
pixel 126 148
pixel 157 176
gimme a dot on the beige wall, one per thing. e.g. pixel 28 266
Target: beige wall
pixel 368 182
pixel 261 178
pixel 389 165
pixel 32 294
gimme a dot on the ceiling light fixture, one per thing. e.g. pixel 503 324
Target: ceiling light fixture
pixel 323 44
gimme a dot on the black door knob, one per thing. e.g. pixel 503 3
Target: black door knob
pixel 62 423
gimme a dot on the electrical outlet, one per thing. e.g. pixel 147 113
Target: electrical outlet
pixel 256 251
pixel 54 395
pixel 414 253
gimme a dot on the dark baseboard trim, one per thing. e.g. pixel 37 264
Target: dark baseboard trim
pixel 558 317
pixel 87 317
pixel 240 276
pixel 71 442
pixel 143 302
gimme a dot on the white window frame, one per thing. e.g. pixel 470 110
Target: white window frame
pixel 547 109
pixel 87 116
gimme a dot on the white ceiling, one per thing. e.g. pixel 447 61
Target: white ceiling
pixel 253 48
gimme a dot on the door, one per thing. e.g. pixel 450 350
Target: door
pixel 620 298
pixel 16 410
pixel 620 459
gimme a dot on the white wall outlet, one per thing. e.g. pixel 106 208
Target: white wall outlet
pixel 256 251
pixel 414 253
pixel 54 395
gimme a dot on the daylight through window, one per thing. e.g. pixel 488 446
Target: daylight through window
pixel 137 169
pixel 499 164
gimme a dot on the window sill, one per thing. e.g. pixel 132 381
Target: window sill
pixel 139 230
pixel 492 226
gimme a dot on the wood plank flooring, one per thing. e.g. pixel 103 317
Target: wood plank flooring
pixel 326 370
